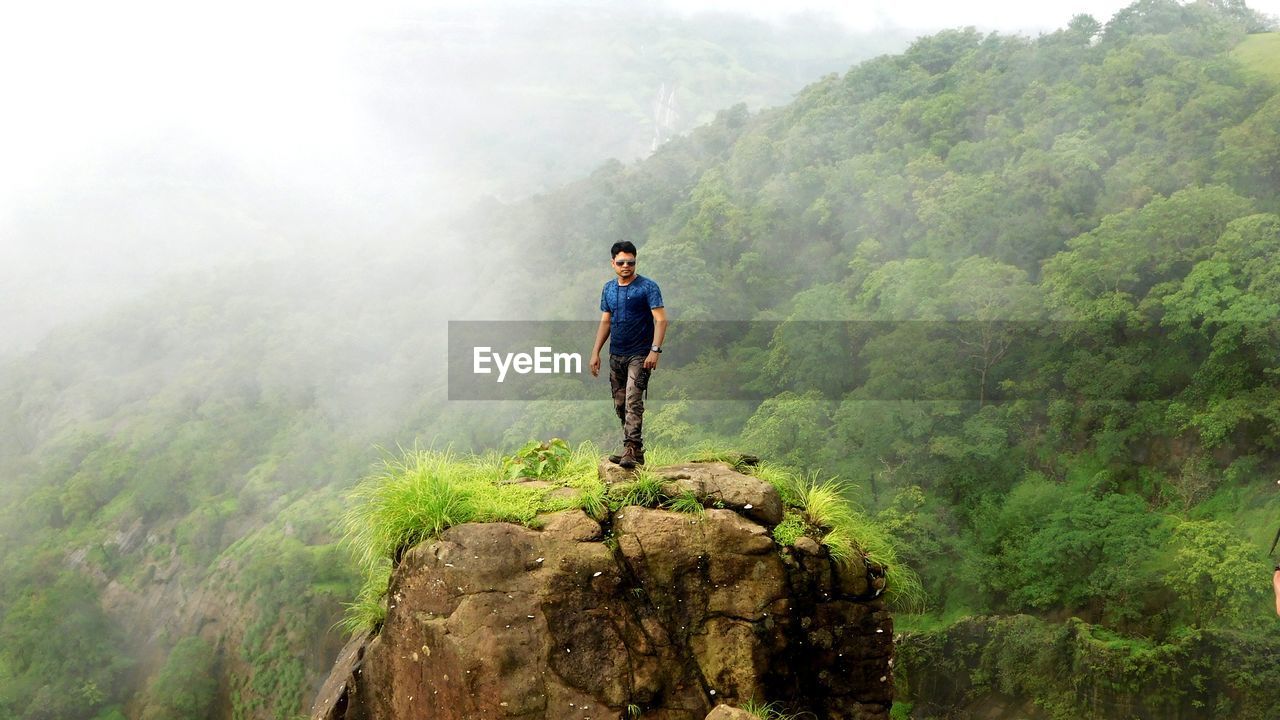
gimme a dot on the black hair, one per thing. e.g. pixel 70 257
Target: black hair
pixel 622 246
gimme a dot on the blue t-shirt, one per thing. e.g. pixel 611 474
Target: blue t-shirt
pixel 631 314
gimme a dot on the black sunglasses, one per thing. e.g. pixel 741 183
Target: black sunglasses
pixel 624 262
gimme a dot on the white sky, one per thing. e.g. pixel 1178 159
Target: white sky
pixel 78 78
pixel 271 81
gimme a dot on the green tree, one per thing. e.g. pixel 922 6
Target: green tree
pixel 1230 303
pixel 65 658
pixel 813 349
pixel 991 303
pixel 789 427
pixel 884 441
pixel 1105 273
pixel 1217 575
pixel 1054 546
pixel 186 687
pixel 1250 154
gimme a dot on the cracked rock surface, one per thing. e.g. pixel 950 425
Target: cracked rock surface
pixel 671 613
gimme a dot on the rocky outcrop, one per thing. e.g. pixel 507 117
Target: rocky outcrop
pixel 648 613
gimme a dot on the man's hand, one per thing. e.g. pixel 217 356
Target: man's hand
pixel 602 334
pixel 651 361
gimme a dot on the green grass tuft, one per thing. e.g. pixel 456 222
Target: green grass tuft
pixel 767 711
pixel 790 529
pixel 709 452
pixel 659 455
pixel 784 479
pixel 687 502
pixel 410 500
pixel 824 503
pixel 851 534
pixel 370 608
pixel 580 470
pixel 593 500
pixel 645 490
pixel 422 493
pixel 840 543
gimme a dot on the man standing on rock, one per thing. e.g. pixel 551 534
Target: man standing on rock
pixel 635 322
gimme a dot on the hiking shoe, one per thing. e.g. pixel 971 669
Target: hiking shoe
pixel 628 459
pixel 638 459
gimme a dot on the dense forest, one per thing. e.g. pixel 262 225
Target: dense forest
pixel 1020 293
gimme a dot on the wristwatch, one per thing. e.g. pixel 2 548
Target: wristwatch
pixel 656 349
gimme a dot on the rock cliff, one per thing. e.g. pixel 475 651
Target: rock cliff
pixel 638 612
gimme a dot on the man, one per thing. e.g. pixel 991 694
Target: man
pixel 635 322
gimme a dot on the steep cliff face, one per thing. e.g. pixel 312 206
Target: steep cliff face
pixel 639 611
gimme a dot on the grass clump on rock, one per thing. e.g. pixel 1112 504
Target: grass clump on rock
pixel 783 478
pixel 686 503
pixel 821 510
pixel 790 529
pixel 767 711
pixel 851 533
pixel 645 490
pixel 368 610
pixel 422 493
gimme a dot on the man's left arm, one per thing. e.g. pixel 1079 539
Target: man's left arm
pixel 659 332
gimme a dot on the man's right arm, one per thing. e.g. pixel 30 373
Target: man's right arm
pixel 602 334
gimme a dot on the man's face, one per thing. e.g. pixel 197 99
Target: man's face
pixel 624 264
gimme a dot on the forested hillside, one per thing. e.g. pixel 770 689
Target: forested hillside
pixel 1111 191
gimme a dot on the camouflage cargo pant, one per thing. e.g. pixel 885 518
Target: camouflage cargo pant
pixel 629 378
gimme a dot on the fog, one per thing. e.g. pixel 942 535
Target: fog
pixel 146 141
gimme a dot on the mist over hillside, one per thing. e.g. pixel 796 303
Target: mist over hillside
pixel 174 466
pixel 354 134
